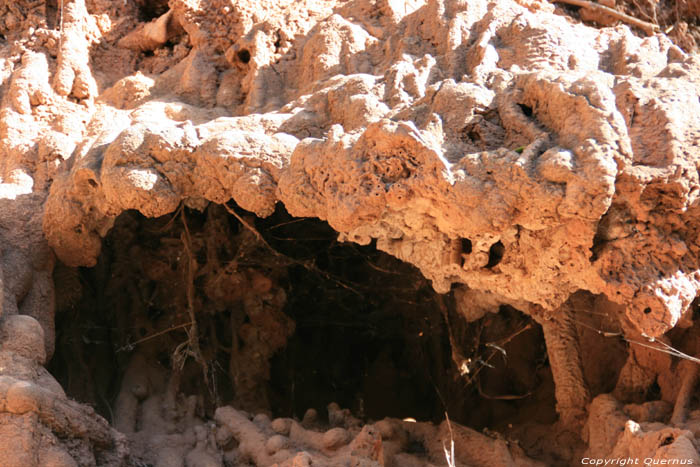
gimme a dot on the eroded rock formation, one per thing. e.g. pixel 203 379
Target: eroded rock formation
pixel 511 154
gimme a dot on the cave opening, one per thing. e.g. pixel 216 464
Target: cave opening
pixel 276 315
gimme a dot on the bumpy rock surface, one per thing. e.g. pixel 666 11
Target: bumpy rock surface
pixel 500 147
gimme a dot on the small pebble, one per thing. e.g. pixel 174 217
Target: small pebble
pixel 281 425
pixel 303 459
pixel 335 438
pixel 276 443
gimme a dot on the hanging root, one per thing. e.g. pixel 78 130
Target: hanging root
pixel 192 348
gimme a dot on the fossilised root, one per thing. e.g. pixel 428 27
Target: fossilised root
pixel 251 440
pixel 564 354
pixel 689 371
pixel 611 434
pixel 689 379
pixel 64 417
pixel 73 75
pixel 645 26
pixel 645 365
pixel 294 445
pixel 285 442
pixel 151 36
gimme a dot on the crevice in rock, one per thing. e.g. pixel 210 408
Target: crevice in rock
pixel 288 321
pixel 355 323
pixel 52 14
pixel 527 110
pixel 496 253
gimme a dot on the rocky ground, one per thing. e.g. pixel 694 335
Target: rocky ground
pixel 348 233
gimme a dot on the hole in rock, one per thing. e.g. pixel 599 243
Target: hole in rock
pixel 666 441
pixel 243 55
pixel 465 249
pixel 495 254
pixel 527 110
pixel 654 392
pixel 287 319
pixel 647 310
pixel 151 9
pixel 466 246
pixel 597 247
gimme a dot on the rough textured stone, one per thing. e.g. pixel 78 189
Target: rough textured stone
pixel 501 148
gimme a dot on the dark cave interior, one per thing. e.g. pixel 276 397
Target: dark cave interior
pixel 288 318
